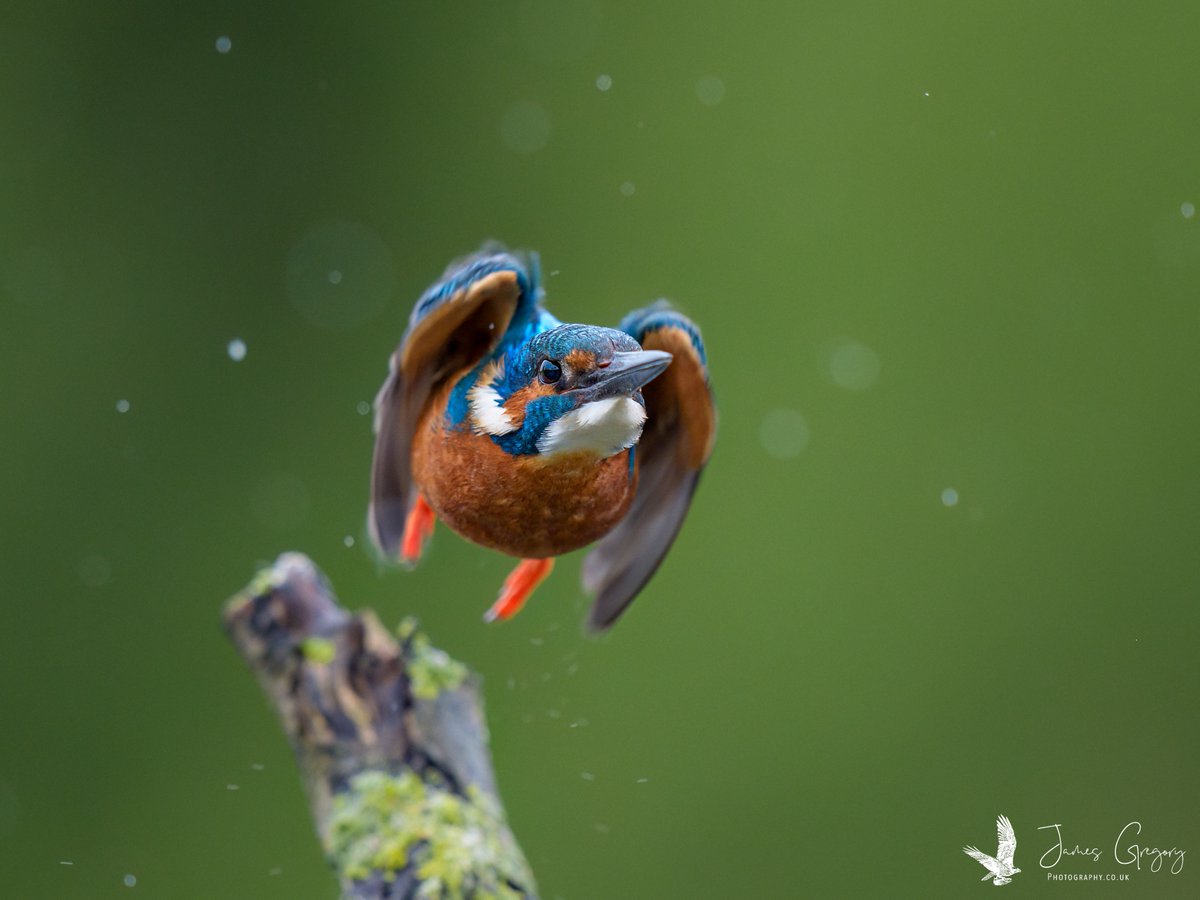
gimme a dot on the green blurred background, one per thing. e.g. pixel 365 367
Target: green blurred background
pixel 943 565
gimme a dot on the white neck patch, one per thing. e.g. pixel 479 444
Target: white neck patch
pixel 604 427
pixel 487 406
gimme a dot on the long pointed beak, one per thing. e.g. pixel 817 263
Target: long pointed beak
pixel 628 371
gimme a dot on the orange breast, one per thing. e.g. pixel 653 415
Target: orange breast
pixel 526 506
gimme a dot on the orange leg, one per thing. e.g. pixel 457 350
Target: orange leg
pixel 417 529
pixel 517 587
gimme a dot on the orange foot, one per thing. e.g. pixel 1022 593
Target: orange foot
pixel 517 587
pixel 417 529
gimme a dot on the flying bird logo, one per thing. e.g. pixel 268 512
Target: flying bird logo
pixel 1000 867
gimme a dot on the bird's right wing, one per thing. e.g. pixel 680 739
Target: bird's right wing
pixel 1006 840
pixel 680 428
pixel 988 862
pixel 456 323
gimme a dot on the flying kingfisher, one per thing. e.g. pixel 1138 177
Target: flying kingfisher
pixel 536 438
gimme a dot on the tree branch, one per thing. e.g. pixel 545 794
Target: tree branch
pixel 390 740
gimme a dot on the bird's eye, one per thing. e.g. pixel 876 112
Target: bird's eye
pixel 549 371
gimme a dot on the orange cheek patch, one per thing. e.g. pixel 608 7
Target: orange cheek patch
pixel 515 405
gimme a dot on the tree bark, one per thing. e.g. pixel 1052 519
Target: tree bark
pixel 390 739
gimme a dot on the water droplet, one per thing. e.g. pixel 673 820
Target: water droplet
pixel 224 44
pixel 525 127
pixel 278 870
pixel 642 780
pixel 363 407
pixel 603 829
pixel 603 82
pixel 236 349
pixel 784 433
pixel 927 93
pixel 348 540
pixel 122 406
pixel 130 880
pixel 66 862
pixel 335 277
pixel 587 776
pixel 1187 210
pixel 257 767
pixel 949 497
pixel 710 90
pixel 231 787
pixel 627 188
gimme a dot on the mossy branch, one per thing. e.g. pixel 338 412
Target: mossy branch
pixel 390 739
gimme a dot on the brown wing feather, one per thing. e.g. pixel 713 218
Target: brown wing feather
pixel 675 446
pixel 445 342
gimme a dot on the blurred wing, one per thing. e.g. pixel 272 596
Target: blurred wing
pixel 988 862
pixel 455 324
pixel 680 428
pixel 1006 840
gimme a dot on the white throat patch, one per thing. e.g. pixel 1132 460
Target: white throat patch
pixel 604 427
pixel 487 406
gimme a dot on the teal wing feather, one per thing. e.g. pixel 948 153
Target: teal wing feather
pixel 674 448
pixel 455 323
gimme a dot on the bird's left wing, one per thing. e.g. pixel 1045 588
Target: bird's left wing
pixel 454 324
pixel 1006 840
pixel 988 862
pixel 680 428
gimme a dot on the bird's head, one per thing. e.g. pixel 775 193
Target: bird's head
pixel 572 388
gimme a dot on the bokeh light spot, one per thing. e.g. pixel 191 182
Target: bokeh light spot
pixel 710 90
pixel 949 497
pixel 850 364
pixel 525 127
pixel 280 501
pixel 603 82
pixel 366 275
pixel 784 433
pixel 224 44
pixel 236 349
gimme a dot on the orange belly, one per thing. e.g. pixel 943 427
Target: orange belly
pixel 526 506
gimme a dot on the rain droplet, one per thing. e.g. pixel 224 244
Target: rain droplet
pixel 1187 210
pixel 348 540
pixel 236 349
pixel 603 82
pixel 224 44
pixel 587 776
pixel 257 767
pixel 949 497
pixel 335 277
pixel 363 407
pixel 231 787
pixel 130 880
pixel 122 406
pixel 66 862
pixel 276 871
pixel 627 188
pixel 710 90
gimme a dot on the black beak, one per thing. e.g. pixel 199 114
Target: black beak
pixel 627 372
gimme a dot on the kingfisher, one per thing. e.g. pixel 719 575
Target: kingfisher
pixel 536 438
